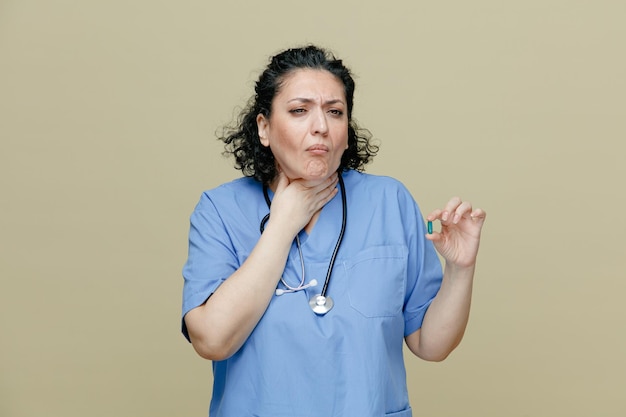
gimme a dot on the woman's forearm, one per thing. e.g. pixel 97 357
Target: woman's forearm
pixel 446 318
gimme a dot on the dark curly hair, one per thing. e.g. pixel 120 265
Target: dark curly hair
pixel 242 138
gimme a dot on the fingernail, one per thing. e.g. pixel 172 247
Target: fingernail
pixel 444 216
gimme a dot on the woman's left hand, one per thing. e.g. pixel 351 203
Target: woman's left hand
pixel 459 237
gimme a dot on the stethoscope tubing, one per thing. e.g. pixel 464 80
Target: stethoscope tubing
pixel 344 218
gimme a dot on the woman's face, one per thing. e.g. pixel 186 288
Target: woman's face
pixel 307 130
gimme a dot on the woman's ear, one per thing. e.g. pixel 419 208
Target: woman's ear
pixel 262 127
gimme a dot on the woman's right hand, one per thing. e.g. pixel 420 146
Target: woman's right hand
pixel 296 202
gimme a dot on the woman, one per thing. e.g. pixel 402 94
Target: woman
pixel 304 312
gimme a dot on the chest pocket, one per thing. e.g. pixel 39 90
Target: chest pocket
pixel 377 278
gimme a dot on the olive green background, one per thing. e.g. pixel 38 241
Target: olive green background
pixel 107 117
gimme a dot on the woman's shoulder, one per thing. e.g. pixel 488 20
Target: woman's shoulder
pixel 374 194
pixel 373 182
pixel 236 186
pixel 231 192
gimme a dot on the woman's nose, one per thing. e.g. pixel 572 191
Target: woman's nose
pixel 320 125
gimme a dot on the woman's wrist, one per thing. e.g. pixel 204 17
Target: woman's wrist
pixel 459 270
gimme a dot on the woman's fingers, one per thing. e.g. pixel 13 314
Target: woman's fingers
pixel 452 208
pixel 463 210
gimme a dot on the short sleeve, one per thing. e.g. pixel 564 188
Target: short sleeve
pixel 424 272
pixel 211 258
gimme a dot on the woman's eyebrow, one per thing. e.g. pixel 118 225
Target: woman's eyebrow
pixel 310 100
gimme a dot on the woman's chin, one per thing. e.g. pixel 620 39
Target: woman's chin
pixel 314 172
pixel 317 169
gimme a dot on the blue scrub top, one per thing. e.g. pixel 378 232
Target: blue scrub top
pixel 295 363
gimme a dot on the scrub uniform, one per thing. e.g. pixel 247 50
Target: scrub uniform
pixel 295 363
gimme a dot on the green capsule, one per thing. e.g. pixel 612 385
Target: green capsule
pixel 430 227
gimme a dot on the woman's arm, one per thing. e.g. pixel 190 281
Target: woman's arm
pixel 446 318
pixel 220 326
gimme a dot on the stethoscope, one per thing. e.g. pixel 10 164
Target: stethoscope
pixel 319 303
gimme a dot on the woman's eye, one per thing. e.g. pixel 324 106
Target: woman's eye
pixel 336 112
pixel 297 111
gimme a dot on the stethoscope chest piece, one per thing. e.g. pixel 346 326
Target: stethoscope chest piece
pixel 320 304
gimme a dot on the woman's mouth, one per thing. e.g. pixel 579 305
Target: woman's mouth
pixel 317 149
